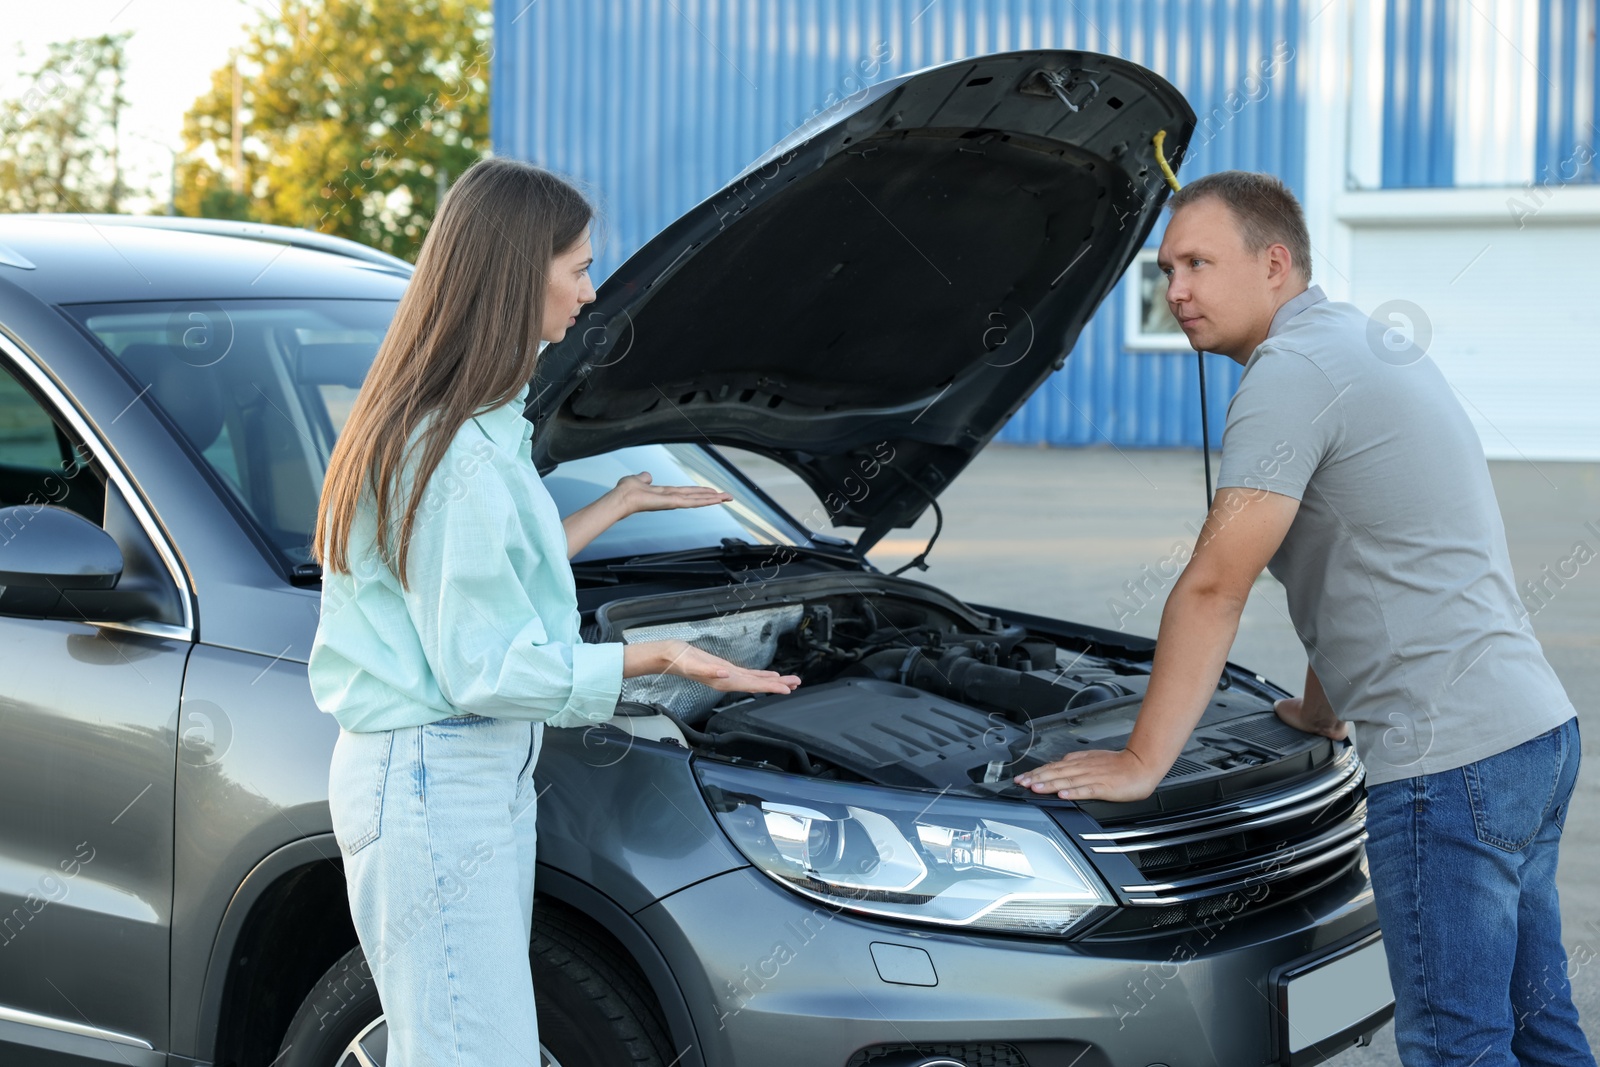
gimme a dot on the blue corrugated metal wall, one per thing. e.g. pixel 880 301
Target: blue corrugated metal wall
pixel 1420 112
pixel 1418 95
pixel 1569 92
pixel 655 105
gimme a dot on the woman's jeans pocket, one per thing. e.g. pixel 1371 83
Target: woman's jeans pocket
pixel 357 778
pixel 535 743
pixel 1512 792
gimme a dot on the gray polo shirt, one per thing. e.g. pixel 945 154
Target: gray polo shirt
pixel 1396 569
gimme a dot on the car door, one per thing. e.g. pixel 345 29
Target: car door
pixel 88 744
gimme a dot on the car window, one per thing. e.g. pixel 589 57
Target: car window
pixel 27 434
pixel 259 388
pixel 39 462
pixel 262 388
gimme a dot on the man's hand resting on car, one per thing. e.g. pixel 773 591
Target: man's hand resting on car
pixel 1312 712
pixel 1198 623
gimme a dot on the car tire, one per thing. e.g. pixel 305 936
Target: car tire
pixel 336 1018
pixel 594 1007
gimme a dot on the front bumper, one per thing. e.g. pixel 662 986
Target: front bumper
pixel 775 979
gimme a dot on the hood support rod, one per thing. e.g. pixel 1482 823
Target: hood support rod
pixel 1199 356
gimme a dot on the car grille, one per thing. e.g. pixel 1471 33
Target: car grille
pixel 987 1054
pixel 1251 853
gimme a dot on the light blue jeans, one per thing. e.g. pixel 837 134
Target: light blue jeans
pixel 436 825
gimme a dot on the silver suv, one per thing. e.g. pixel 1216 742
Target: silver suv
pixel 842 877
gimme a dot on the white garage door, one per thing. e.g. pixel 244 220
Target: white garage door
pixel 1514 315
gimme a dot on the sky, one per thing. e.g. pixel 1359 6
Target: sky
pixel 175 46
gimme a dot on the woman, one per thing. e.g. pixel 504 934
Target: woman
pixel 446 645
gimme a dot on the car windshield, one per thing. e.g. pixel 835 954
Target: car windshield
pixel 262 388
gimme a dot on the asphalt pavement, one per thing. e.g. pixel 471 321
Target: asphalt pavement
pixel 1097 535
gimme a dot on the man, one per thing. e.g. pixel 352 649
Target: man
pixel 1350 470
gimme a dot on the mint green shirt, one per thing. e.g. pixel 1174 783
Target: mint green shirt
pixel 490 621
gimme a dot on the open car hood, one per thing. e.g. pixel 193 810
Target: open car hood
pixel 870 300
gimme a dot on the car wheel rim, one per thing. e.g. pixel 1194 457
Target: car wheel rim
pixel 369 1048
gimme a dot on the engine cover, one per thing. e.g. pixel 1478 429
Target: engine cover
pixel 885 732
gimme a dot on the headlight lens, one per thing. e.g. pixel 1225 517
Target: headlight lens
pixel 952 860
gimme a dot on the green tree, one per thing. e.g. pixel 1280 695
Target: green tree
pixel 59 140
pixel 353 118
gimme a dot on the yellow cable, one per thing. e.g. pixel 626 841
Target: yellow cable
pixel 1172 179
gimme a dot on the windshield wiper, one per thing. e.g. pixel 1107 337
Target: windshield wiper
pixel 732 549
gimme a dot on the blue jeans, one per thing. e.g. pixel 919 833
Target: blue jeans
pixel 436 826
pixel 1463 866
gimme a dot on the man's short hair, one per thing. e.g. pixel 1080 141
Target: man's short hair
pixel 1267 211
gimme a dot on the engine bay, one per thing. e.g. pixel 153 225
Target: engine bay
pixel 904 685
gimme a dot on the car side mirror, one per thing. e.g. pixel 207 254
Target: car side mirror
pixel 49 547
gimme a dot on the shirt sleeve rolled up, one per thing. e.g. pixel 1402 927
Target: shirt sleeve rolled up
pixel 484 640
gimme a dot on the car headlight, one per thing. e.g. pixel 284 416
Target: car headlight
pixel 979 864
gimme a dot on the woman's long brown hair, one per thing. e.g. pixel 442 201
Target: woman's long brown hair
pixel 464 340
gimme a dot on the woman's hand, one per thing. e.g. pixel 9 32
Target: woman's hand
pixel 686 661
pixel 634 492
